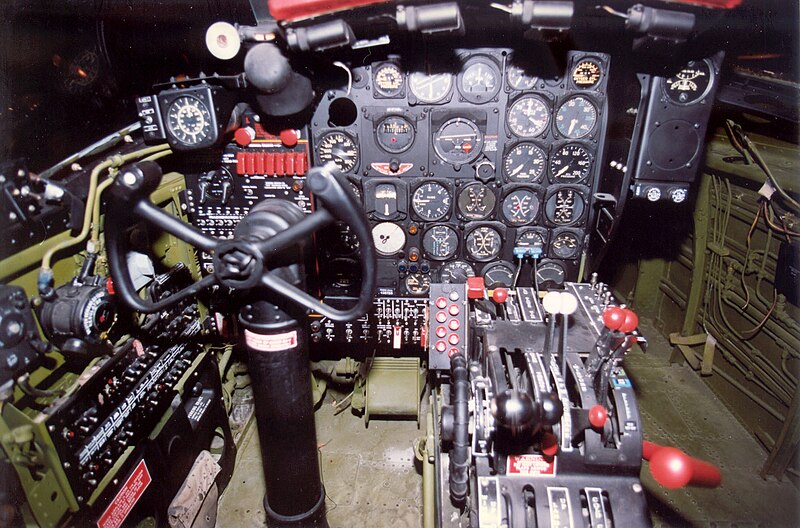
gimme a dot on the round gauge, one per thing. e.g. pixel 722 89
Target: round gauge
pixel 587 73
pixel 480 80
pixel 570 164
pixel 458 141
pixel 520 207
pixel 518 79
pixel 499 274
pixel 339 148
pixel 456 272
pixel 395 134
pixel 483 243
pixel 188 120
pixel 690 84
pixel 343 239
pixel 418 284
pixel 576 117
pixel 524 163
pixel 343 272
pixel 476 201
pixel 528 116
pixel 440 242
pixel 388 79
pixel 430 88
pixel 549 274
pixel 565 207
pixel 389 238
pixel 431 201
pixel 356 191
pixel 565 245
pixel 531 239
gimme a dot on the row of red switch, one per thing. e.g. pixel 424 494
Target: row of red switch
pixel 271 163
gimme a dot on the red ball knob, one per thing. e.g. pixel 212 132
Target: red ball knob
pixel 549 444
pixel 598 416
pixel 613 317
pixel 630 323
pixel 288 137
pixel 243 137
pixel 499 295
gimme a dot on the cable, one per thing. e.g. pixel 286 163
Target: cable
pixel 747 256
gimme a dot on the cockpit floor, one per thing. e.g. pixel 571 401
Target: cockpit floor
pixel 371 479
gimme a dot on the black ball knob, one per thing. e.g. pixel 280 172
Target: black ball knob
pixel 552 408
pixel 516 412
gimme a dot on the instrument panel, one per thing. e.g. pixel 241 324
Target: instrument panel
pixel 458 164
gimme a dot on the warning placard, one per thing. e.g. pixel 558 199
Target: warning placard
pixel 272 342
pixel 531 466
pixel 126 498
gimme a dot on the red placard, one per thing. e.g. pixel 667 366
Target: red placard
pixel 531 466
pixel 126 498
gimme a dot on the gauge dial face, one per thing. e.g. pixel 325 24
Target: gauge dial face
pixel 343 240
pixel 498 275
pixel 476 201
pixel 385 201
pixel 565 245
pixel 531 239
pixel 520 207
pixel 431 201
pixel 570 164
pixel 518 78
pixel 343 272
pixel 388 79
pixel 576 117
pixel 690 84
pixel 480 80
pixel 524 163
pixel 458 141
pixel 189 120
pixel 456 272
pixel 549 274
pixel 389 238
pixel 587 73
pixel 395 134
pixel 528 116
pixel 418 283
pixel 483 243
pixel 430 88
pixel 339 148
pixel 440 242
pixel 565 207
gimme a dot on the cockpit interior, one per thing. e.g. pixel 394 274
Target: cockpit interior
pixel 372 263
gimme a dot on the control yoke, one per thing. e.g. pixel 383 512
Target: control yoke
pixel 241 263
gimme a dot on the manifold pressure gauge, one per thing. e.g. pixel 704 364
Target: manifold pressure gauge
pixel 576 118
pixel 339 148
pixel 189 121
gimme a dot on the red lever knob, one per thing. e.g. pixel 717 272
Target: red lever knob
pixel 288 137
pixel 475 287
pixel 549 444
pixel 630 323
pixel 243 136
pixel 613 317
pixel 673 469
pixel 598 416
pixel 499 295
